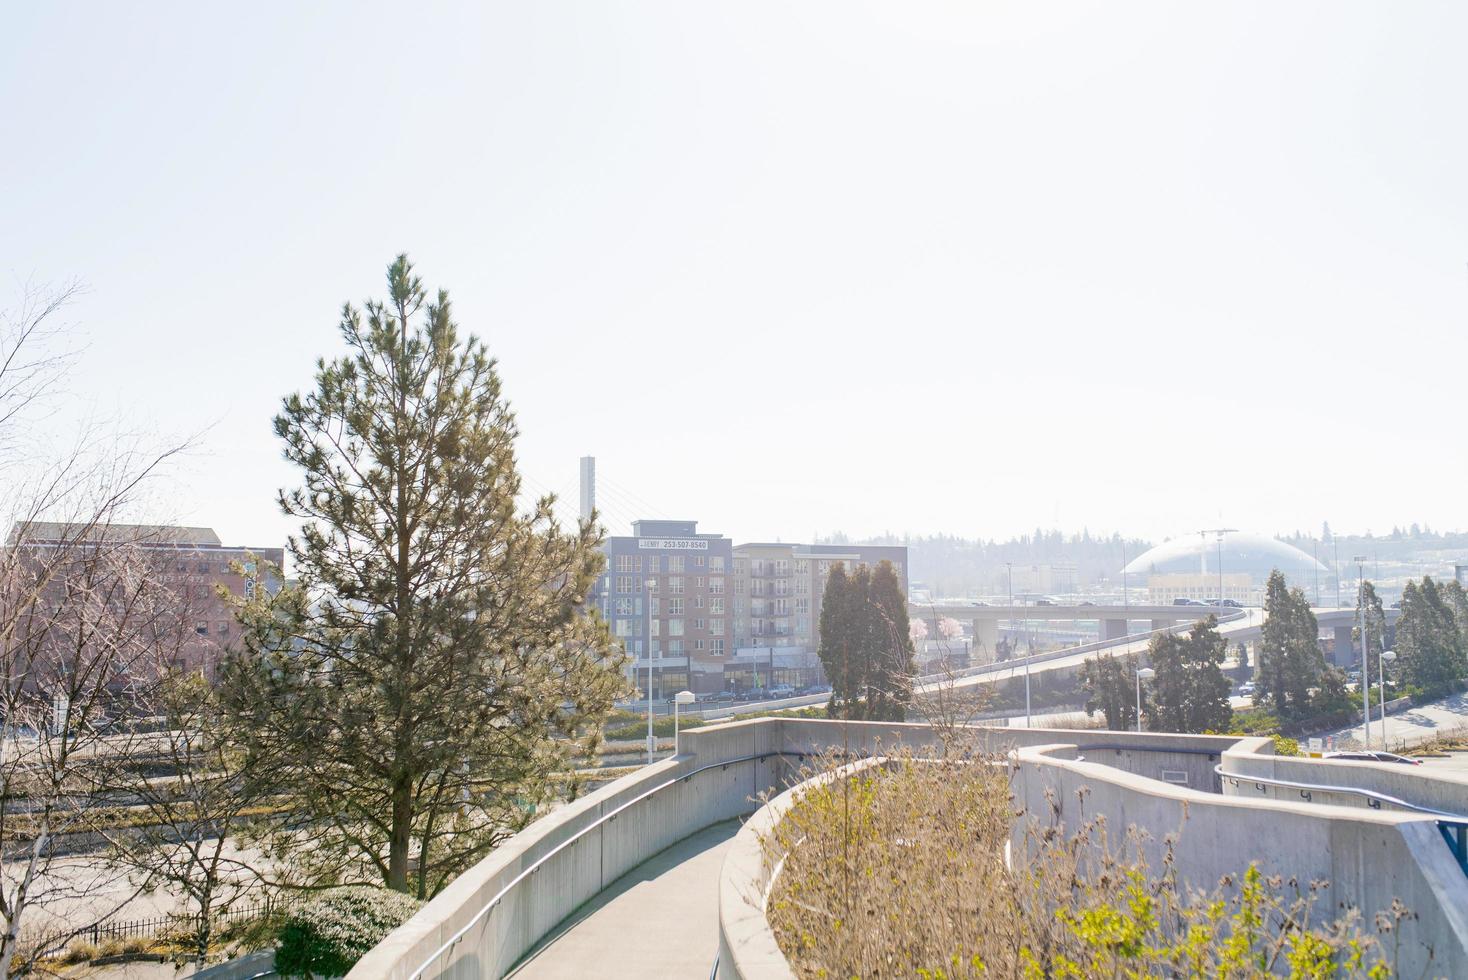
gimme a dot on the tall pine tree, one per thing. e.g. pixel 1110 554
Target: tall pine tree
pixel 866 647
pixel 434 668
pixel 1290 661
pixel 1429 642
pixel 893 652
pixel 1190 692
pixel 1109 682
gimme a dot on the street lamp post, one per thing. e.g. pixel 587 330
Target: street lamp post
pixel 682 697
pixel 1386 657
pixel 1143 674
pixel 652 742
pixel 1360 561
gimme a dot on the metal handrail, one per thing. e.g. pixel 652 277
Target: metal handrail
pixel 604 818
pixel 1374 800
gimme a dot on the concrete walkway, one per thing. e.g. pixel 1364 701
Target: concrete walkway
pixel 1415 725
pixel 660 920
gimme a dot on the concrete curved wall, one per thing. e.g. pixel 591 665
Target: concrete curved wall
pixel 1368 857
pixel 1417 785
pixel 578 872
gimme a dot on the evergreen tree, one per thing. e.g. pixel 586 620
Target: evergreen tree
pixel 866 647
pixel 840 645
pixel 1190 691
pixel 1290 661
pixel 893 653
pixel 1456 597
pixel 434 669
pixel 1110 684
pixel 1429 643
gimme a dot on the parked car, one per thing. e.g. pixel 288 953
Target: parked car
pixel 1247 689
pixel 782 691
pixel 1373 757
pixel 1186 602
pixel 814 689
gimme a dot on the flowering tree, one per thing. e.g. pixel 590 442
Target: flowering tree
pixel 918 630
pixel 950 628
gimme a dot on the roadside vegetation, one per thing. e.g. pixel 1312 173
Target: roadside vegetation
pixel 900 870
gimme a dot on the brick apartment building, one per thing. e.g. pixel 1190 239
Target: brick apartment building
pixel 191 561
pixel 666 595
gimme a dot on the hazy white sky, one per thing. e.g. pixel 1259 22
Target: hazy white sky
pixel 787 268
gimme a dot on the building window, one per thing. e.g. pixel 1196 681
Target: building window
pixel 802 566
pixel 675 648
pixel 652 585
pixel 675 607
pixel 716 627
pixel 625 583
pixel 652 563
pixel 782 566
pixel 202 629
pixel 716 605
pixel 675 563
pixel 675 585
pixel 698 645
pixel 624 627
pixel 698 561
pixel 716 647
pixel 221 628
pixel 698 602
pixel 655 606
pixel 629 563
pixel 700 625
pixel 700 582
pixel 716 585
pixel 716 563
pixel 675 627
pixel 655 627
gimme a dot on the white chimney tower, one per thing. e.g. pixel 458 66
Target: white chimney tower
pixel 588 486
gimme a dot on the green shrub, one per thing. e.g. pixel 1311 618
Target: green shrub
pixel 1285 746
pixel 326 935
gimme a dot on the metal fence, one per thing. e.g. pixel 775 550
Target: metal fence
pixel 102 932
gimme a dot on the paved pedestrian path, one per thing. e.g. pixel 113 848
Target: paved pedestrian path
pixel 660 920
pixel 1411 727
